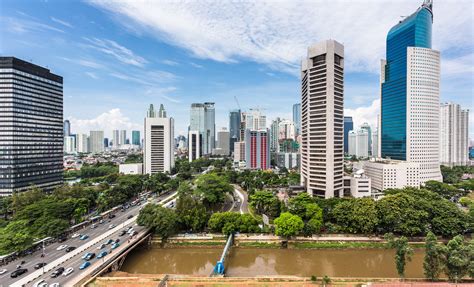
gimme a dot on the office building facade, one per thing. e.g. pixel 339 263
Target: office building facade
pixel 70 144
pixel 366 127
pixel 82 143
pixel 348 126
pixel 454 135
pixel 234 128
pixel 202 119
pixel 223 143
pixel 158 152
pixel 297 117
pixel 67 128
pixel 410 94
pixel 194 145
pixel 31 127
pixel 115 139
pixel 274 133
pixel 257 149
pixel 322 126
pixel 136 138
pixel 96 141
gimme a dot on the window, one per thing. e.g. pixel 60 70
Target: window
pixel 318 60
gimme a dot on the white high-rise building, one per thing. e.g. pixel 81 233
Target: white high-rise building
pixel 454 135
pixel 255 120
pixel 375 143
pixel 96 141
pixel 239 151
pixel 286 130
pixel 82 143
pixel 352 141
pixel 274 135
pixel 322 90
pixel 158 155
pixel 123 137
pixel 116 139
pixel 362 143
pixel 69 144
pixel 223 142
pixel 194 145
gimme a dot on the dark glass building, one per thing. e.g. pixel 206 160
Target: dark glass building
pixel 234 128
pixel 348 126
pixel 136 136
pixel 31 127
pixel 413 31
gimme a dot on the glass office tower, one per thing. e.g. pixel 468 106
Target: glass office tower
pixel 410 94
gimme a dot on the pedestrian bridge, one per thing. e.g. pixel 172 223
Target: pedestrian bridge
pixel 219 269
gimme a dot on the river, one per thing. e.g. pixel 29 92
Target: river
pixel 249 262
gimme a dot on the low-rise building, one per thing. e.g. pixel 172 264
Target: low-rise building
pixel 357 185
pixel 131 168
pixel 392 174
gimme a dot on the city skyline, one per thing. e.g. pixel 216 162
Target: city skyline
pixel 107 67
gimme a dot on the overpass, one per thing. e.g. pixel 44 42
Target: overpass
pixel 112 261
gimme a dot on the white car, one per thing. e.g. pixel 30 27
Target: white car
pixel 68 271
pixel 111 226
pixel 130 231
pixel 3 271
pixel 38 283
pixel 44 284
pixel 75 235
pixel 62 247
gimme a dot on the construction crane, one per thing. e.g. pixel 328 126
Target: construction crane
pixel 237 101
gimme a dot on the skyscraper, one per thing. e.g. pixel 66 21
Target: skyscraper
pixel 82 143
pixel 366 126
pixel 194 145
pixel 255 120
pixel 375 143
pixel 257 149
pixel 31 127
pixel 223 143
pixel 348 126
pixel 162 112
pixel 322 150
pixel 286 130
pixel 70 144
pixel 67 128
pixel 362 145
pixel 352 143
pixel 454 135
pixel 234 128
pixel 410 94
pixel 136 138
pixel 203 120
pixel 274 131
pixel 158 155
pixel 96 141
pixel 123 137
pixel 116 139
pixel 297 117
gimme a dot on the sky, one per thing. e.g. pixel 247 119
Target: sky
pixel 117 57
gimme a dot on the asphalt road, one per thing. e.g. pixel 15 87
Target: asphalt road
pixel 52 254
pixel 241 206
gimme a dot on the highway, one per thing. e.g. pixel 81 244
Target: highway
pixel 52 254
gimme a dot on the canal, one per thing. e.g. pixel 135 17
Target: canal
pixel 249 262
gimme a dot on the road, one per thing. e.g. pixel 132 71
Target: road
pixel 52 254
pixel 242 206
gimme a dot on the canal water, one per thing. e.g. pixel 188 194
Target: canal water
pixel 249 262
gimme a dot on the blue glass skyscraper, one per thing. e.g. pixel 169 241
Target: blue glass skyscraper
pixel 348 126
pixel 413 31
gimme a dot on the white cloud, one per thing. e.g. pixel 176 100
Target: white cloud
pixel 92 75
pixel 85 63
pixel 108 121
pixel 364 114
pixel 278 33
pixel 196 65
pixel 462 65
pixel 119 52
pixel 22 26
pixel 62 22
pixel 170 63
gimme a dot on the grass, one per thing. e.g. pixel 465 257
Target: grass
pixel 259 244
pixel 343 245
pixel 196 243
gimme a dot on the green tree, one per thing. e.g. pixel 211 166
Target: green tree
pixel 403 252
pixel 16 236
pixel 265 202
pixel 229 222
pixel 192 214
pixel 162 221
pixel 457 259
pixel 288 225
pixel 434 256
pixel 358 215
pixel 471 258
pixel 445 190
pixel 212 189
pixel 22 199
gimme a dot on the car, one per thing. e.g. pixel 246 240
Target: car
pixel 111 226
pixel 101 246
pixel 39 283
pixel 85 265
pixel 68 271
pixel 3 271
pixel 70 248
pixel 62 239
pixel 102 254
pixel 123 232
pixel 93 226
pixel 44 284
pixel 133 233
pixel 88 256
pixel 130 216
pixel 101 221
pixel 111 216
pixel 61 247
pixel 18 272
pixel 39 265
pixel 110 241
pixel 84 237
pixel 117 240
pixel 75 235
pixel 54 285
pixel 57 272
pixel 130 230
pixel 115 245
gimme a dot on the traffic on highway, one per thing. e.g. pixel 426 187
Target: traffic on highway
pixel 20 268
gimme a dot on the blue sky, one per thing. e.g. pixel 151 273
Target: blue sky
pixel 117 57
